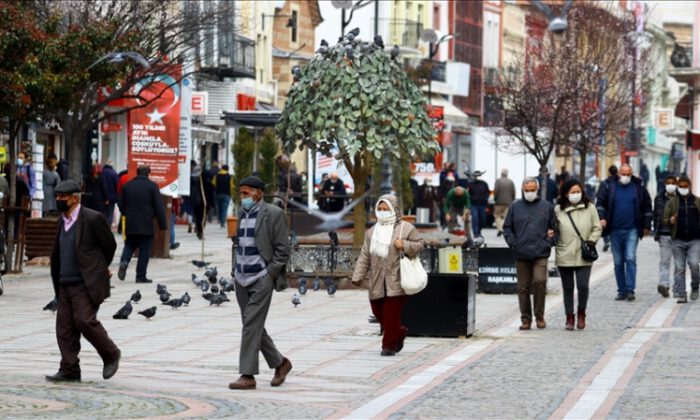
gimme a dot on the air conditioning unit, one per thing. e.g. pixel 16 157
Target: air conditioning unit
pixel 224 61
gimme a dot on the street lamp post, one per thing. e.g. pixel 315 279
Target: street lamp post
pixel 434 39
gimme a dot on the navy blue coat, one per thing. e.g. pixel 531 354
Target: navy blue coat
pixel 605 204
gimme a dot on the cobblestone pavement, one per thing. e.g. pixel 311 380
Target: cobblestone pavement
pixel 634 360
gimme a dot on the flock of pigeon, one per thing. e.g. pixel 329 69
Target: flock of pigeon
pixel 214 290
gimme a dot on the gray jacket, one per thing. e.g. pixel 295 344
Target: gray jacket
pixel 525 229
pixel 504 192
pixel 272 240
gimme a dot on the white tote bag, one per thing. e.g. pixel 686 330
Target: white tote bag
pixel 414 278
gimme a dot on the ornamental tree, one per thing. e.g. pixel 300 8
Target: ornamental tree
pixel 355 102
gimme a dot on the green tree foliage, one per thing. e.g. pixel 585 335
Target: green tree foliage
pixel 269 147
pixel 355 97
pixel 243 150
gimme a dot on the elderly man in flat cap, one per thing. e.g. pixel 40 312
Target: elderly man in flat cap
pixel 83 249
pixel 259 266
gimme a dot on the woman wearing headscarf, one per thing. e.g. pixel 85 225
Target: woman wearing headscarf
pixel 575 209
pixel 378 267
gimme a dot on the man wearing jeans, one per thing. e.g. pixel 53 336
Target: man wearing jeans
pixel 530 230
pixel 682 214
pixel 662 234
pixel 624 208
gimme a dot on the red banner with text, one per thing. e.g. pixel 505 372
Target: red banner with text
pixel 154 129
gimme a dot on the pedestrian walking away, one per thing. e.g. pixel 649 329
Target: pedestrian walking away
pixel 530 230
pixel 83 249
pixel 503 196
pixel 682 215
pixel 223 185
pixel 625 212
pixel 141 203
pixel 479 195
pixel 259 267
pixel 578 221
pixel 378 268
pixel 662 235
pixel 50 180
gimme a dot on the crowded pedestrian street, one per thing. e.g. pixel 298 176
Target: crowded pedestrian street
pixel 633 360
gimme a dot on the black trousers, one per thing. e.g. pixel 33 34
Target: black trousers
pixel 77 315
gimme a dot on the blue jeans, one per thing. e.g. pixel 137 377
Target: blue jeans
pixel 624 249
pixel 222 201
pixel 478 219
pixel 143 242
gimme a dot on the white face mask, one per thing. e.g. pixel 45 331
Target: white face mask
pixel 384 215
pixel 671 188
pixel 575 198
pixel 684 191
pixel 530 196
pixel 625 179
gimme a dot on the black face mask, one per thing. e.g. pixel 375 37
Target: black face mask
pixel 62 205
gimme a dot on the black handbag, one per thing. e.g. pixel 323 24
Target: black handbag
pixel 588 251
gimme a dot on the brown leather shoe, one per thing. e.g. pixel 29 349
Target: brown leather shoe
pixel 244 382
pixel 540 323
pixel 525 326
pixel 281 372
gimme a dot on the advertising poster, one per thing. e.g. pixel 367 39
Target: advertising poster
pixel 154 131
pixel 328 165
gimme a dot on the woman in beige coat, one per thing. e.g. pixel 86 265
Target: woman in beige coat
pixel 573 201
pixel 378 268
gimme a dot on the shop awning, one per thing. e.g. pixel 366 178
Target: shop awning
pixel 205 134
pixel 265 115
pixel 453 115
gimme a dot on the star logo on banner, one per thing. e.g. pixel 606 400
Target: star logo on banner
pixel 156 116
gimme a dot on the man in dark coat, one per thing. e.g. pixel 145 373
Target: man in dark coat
pixel 333 193
pixel 479 193
pixel 82 251
pixel 531 230
pixel 140 202
pixel 110 179
pixel 625 212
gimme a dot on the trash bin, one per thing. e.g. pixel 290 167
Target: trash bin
pixel 445 308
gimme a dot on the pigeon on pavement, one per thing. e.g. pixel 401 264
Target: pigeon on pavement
pixel 296 300
pixel 160 288
pixel 165 296
pixel 200 263
pixel 136 296
pixel 149 313
pixel 185 299
pixel 174 303
pixel 124 311
pixel 51 306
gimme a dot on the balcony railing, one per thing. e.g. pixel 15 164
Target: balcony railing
pixel 236 58
pixel 403 32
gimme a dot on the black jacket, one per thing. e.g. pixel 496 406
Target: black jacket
pixel 605 204
pixel 95 246
pixel 660 228
pixel 140 202
pixel 525 229
pixel 479 193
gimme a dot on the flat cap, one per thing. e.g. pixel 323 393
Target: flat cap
pixel 67 187
pixel 253 182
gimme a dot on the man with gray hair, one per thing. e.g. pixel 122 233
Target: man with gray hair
pixel 503 196
pixel 531 230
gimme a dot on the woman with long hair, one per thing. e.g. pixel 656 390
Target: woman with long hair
pixel 575 211
pixel 378 267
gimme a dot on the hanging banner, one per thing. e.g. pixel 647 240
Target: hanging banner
pixel 154 130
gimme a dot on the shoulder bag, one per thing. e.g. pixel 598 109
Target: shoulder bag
pixel 588 251
pixel 414 278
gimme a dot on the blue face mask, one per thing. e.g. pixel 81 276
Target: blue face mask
pixel 248 203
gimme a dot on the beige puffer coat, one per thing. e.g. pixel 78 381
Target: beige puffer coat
pixel 382 275
pixel 568 249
